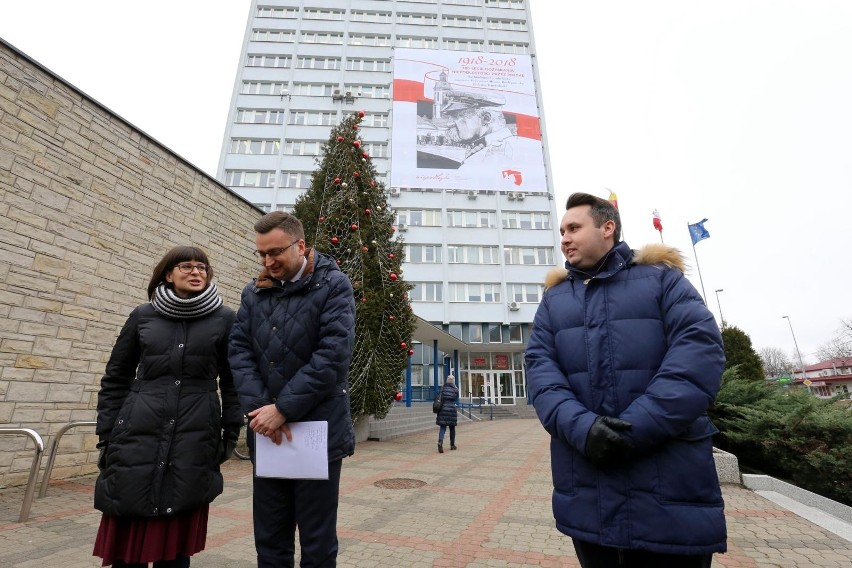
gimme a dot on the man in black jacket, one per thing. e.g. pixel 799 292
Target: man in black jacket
pixel 290 351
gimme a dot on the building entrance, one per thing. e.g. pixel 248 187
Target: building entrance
pixel 496 387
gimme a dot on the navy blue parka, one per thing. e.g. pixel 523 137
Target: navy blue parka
pixel 636 342
pixel 292 344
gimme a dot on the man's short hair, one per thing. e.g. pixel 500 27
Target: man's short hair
pixel 290 224
pixel 601 210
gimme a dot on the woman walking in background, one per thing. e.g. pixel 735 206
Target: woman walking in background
pixel 447 415
pixel 163 432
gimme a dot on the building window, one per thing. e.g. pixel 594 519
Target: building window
pixel 466 218
pixel 474 292
pixel 463 44
pixel 525 292
pixel 509 25
pixel 474 333
pixel 463 2
pixel 377 120
pixel 508 47
pixel 462 21
pixel 417 19
pixel 279 61
pixel 515 333
pixel 370 40
pixel 312 118
pixel 322 37
pixel 495 333
pixel 255 147
pixel 318 62
pixel 372 17
pixel 270 12
pixel 259 116
pixel 419 217
pixel 368 65
pixel 528 255
pixel 302 147
pixel 423 254
pixel 526 220
pixel 313 89
pixel 417 42
pixel 426 292
pixel 455 329
pixel 472 254
pixel 376 149
pixel 299 180
pixel 281 36
pixel 262 88
pixel 240 178
pixel 320 14
pixel 372 91
pixel 511 4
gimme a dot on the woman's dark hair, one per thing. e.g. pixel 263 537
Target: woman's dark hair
pixel 172 259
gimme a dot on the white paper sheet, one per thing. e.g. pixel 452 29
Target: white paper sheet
pixel 306 457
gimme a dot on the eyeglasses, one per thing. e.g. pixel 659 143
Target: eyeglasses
pixel 187 268
pixel 275 252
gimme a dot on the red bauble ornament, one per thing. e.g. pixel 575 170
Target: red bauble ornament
pixel 356 174
pixel 340 138
pixel 363 300
pixel 360 114
pixel 393 276
pixel 365 249
pixel 365 155
pixel 336 180
pixel 391 255
pixel 353 226
pixel 403 345
pixel 391 318
pixel 334 240
pixel 405 296
pixel 357 143
pixel 354 127
pixel 322 219
pixel 410 352
pixel 397 396
pixel 339 262
pixel 372 183
pixel 367 212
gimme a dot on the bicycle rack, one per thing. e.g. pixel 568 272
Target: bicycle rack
pixel 31 481
pixel 45 481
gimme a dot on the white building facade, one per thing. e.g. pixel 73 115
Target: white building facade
pixel 455 127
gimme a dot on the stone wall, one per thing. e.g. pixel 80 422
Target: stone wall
pixel 88 205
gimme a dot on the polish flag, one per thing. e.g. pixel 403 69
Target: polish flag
pixel 658 224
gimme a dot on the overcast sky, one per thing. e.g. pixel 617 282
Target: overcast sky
pixel 739 111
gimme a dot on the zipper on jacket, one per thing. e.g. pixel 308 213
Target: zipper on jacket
pixel 621 557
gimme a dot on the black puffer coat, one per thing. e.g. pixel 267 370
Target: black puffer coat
pixel 292 344
pixel 163 420
pixel 448 415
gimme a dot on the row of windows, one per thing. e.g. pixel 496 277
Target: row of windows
pixel 493 332
pixel 431 254
pixel 375 40
pixel 378 17
pixel 465 218
pixel 312 89
pixel 266 179
pixel 482 292
pixel 271 147
pixel 304 117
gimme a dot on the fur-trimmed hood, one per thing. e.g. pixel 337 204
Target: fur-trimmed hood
pixel 649 254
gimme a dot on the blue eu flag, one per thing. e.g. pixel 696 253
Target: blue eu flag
pixel 698 232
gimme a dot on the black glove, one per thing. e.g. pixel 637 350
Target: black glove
pixel 102 445
pixel 605 445
pixel 228 443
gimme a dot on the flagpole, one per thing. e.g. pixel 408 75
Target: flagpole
pixel 698 266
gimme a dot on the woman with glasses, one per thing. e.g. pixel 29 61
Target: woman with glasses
pixel 163 431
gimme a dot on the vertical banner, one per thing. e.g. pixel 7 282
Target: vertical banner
pixel 465 120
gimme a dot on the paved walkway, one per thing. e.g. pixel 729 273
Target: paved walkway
pixel 486 505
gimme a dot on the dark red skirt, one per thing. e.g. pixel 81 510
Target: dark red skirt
pixel 139 540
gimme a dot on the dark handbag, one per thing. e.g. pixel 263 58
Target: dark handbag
pixel 438 402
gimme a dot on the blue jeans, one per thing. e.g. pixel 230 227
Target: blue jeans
pixel 442 429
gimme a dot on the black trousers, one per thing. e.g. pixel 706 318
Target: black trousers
pixel 596 556
pixel 281 505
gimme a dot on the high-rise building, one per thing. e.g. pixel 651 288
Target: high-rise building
pixel 454 124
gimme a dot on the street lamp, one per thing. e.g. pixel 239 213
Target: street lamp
pixel 720 306
pixel 799 353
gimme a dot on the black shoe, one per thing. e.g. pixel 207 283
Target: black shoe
pixel 440 448
pixel 453 447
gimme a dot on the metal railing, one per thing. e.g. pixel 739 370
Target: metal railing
pixel 32 480
pixel 51 457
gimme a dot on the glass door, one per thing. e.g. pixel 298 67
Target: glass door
pixel 502 387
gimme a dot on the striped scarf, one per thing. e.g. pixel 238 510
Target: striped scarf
pixel 169 304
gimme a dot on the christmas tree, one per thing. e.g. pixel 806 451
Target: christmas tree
pixel 346 215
